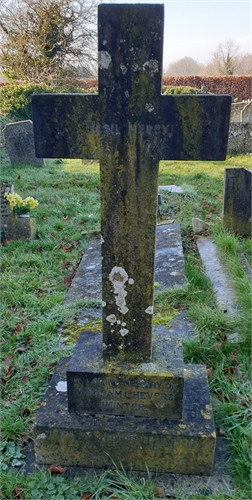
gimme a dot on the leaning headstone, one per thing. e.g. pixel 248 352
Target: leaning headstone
pixel 5 212
pixel 19 142
pixel 237 200
pixel 127 395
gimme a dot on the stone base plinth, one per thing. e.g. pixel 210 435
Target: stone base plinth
pixel 113 386
pixel 180 446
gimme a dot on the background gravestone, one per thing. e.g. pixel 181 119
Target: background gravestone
pixel 6 213
pixel 237 200
pixel 19 142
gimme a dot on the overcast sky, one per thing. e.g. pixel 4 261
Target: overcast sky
pixel 194 28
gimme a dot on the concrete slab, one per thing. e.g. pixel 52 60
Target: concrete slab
pixel 218 275
pixel 169 265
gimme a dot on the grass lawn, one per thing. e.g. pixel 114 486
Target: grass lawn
pixel 36 275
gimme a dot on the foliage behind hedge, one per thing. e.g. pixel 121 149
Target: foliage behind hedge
pixel 15 98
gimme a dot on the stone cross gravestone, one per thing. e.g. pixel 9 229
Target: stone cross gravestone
pixel 130 127
pixel 19 142
pixel 122 372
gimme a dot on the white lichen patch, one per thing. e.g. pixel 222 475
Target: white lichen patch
pixel 123 324
pixel 41 436
pixel 152 66
pixel 123 68
pixel 103 304
pixel 118 322
pixel 111 318
pixel 131 281
pixel 102 239
pixel 61 386
pixel 104 59
pixel 124 331
pixel 149 107
pixel 119 278
pixel 149 310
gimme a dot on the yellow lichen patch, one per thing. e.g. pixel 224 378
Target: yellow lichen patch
pixel 73 331
pixel 163 315
pixel 213 434
pixel 206 413
pixel 182 426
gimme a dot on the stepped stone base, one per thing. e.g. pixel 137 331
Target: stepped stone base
pixel 184 446
pixel 112 386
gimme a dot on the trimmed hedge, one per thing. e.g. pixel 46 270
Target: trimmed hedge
pixel 238 86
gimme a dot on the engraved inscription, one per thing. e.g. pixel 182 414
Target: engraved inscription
pixel 135 128
pixel 133 395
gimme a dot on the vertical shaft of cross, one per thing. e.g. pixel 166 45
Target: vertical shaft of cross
pixel 130 72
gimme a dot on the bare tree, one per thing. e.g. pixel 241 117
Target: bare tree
pixel 243 64
pixel 223 60
pixel 45 40
pixel 184 66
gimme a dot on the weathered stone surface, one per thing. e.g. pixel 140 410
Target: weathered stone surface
pixel 237 200
pixel 240 138
pixel 169 265
pixel 199 225
pixel 130 126
pixel 23 227
pixel 6 213
pixel 98 385
pixel 19 142
pixel 185 446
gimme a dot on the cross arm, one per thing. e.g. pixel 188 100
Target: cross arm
pixel 64 125
pixel 195 127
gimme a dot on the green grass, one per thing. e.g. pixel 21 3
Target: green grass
pixel 36 275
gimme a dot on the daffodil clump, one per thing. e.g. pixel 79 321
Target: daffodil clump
pixel 19 205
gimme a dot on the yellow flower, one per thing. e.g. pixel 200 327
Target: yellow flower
pixel 18 205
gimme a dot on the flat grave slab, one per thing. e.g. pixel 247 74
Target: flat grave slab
pixel 169 265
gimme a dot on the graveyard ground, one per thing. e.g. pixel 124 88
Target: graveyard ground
pixel 36 275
